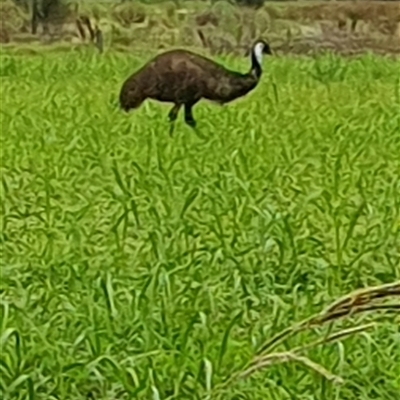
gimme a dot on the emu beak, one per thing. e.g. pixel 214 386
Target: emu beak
pixel 267 50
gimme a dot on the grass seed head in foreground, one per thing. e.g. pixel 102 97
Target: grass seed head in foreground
pixel 183 78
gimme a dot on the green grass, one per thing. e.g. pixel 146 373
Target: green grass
pixel 139 266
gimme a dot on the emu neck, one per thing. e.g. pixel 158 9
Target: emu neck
pixel 256 70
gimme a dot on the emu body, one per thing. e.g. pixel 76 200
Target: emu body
pixel 183 78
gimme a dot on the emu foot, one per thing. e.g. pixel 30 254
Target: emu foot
pixel 191 122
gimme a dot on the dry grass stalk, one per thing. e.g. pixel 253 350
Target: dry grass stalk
pixel 279 358
pixel 359 301
pixel 335 337
pixel 364 296
pixel 267 360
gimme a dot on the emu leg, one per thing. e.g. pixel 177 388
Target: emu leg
pixel 189 116
pixel 190 120
pixel 172 116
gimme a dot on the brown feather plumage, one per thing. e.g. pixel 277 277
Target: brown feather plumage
pixel 183 78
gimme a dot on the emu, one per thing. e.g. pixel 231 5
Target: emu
pixel 183 78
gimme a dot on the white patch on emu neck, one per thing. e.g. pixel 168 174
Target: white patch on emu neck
pixel 258 51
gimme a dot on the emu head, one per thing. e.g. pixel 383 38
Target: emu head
pixel 261 47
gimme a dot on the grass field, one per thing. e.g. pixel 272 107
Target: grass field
pixel 139 266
